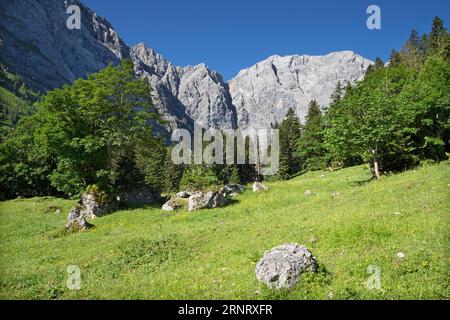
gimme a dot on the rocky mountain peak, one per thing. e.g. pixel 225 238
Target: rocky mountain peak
pixel 264 92
pixel 36 44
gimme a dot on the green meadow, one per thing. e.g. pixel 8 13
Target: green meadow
pixel 146 253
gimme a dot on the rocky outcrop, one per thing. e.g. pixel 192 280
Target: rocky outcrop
pixel 186 94
pixel 200 200
pixel 76 220
pixel 174 204
pixel 281 267
pixel 263 93
pixel 92 206
pixel 197 200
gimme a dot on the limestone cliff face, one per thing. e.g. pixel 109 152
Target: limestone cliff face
pixel 264 92
pixel 36 44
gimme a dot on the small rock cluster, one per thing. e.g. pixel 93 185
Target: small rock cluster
pixel 77 222
pixel 94 204
pixel 281 267
pixel 92 207
pixel 89 207
pixel 197 200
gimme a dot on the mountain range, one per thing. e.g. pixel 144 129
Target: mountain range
pixel 36 45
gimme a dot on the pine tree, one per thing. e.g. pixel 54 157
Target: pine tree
pixel 394 59
pixel 290 132
pixel 437 35
pixel 410 54
pixel 310 147
pixel 234 176
pixel 377 65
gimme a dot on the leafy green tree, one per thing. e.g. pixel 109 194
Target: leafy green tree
pixel 90 131
pixel 425 104
pixel 92 123
pixel 367 122
pixel 24 164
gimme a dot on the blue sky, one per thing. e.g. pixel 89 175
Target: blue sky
pixel 235 34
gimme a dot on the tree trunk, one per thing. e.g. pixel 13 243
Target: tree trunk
pixel 377 172
pixel 375 164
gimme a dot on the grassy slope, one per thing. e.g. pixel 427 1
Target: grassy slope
pixel 148 253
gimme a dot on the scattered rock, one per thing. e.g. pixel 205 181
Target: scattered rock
pixel 93 207
pixel 75 212
pixel 400 255
pixel 280 267
pixel 219 199
pixel 197 200
pixel 183 194
pixel 172 204
pixel 58 211
pixel 200 200
pixel 335 194
pixel 258 186
pixel 308 193
pixel 79 224
pixel 233 189
pixel 322 176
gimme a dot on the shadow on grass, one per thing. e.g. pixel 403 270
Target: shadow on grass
pixel 135 206
pixel 360 181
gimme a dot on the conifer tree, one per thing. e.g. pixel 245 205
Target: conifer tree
pixel 290 132
pixel 310 147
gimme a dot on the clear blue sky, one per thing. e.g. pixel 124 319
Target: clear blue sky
pixel 229 35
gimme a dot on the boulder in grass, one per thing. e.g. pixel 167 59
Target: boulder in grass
pixel 281 267
pixel 95 204
pixel 258 186
pixel 77 222
pixel 233 189
pixel 173 204
pixel 200 200
pixel 183 194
